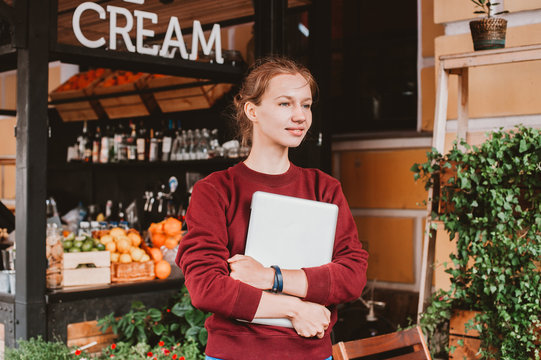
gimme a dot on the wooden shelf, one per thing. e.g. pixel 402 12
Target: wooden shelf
pixel 459 65
pixel 145 164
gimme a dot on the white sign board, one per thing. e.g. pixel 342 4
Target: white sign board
pixel 172 41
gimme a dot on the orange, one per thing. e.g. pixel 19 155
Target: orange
pixel 156 227
pixel 155 254
pixel 158 239
pixel 162 269
pixel 172 226
pixel 171 243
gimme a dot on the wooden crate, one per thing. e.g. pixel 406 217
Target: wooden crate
pixel 123 106
pixel 84 333
pixel 100 274
pixel 458 333
pixel 79 110
pixel 189 98
pixel 134 271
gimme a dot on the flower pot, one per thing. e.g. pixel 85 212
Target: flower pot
pixel 488 33
pixel 465 341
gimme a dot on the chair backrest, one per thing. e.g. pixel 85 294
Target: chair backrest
pixel 384 343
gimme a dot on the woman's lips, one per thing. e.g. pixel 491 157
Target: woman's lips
pixel 295 131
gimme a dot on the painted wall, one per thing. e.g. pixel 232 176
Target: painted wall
pixel 377 180
pixel 8 100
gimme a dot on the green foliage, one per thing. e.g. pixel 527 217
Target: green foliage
pixel 485 7
pixel 435 324
pixel 39 349
pixel 177 322
pixel 126 351
pixel 495 213
pixel 175 332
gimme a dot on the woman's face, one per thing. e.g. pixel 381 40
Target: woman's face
pixel 284 114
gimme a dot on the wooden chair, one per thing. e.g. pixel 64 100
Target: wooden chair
pixel 411 338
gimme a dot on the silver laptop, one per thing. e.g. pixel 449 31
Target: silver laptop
pixel 290 232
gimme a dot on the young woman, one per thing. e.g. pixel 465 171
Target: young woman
pixel 273 110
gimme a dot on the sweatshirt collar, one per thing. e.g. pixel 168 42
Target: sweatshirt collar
pixel 266 179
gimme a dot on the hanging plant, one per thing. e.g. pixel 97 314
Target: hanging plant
pixel 494 211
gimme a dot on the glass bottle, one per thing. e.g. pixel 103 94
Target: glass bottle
pixel 190 141
pixel 96 143
pixel 153 147
pixel 85 145
pixel 167 141
pixel 131 144
pixel 142 143
pixel 106 145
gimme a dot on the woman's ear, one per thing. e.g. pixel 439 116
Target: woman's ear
pixel 250 111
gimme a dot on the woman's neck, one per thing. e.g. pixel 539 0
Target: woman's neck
pixel 272 161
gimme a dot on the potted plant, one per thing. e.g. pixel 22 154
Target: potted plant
pixel 489 31
pixel 496 219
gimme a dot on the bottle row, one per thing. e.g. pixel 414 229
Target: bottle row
pixel 119 144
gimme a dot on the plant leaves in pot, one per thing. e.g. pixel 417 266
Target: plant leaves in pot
pixel 488 32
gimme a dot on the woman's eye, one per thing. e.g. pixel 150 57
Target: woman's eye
pixel 307 106
pixel 284 104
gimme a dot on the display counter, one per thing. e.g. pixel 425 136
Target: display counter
pixel 77 305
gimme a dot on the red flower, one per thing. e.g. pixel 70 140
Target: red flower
pixel 182 358
pixel 174 356
pixel 165 351
pixel 161 343
pixel 113 346
pixel 149 354
pixel 77 352
pixel 168 310
pixel 112 356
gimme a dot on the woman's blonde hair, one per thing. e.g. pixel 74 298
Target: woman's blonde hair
pixel 256 83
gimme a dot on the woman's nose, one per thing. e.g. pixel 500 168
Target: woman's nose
pixel 298 114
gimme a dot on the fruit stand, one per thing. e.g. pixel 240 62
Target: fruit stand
pixel 85 292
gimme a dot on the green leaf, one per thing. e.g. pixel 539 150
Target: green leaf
pixel 180 309
pixel 195 318
pixel 193 332
pixel 203 336
pixel 154 314
pixel 523 146
pixel 159 329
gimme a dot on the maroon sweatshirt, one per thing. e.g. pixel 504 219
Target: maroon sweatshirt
pixel 217 220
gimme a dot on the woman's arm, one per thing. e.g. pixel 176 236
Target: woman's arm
pixel 203 255
pixel 250 271
pixel 308 319
pixel 340 281
pixel 203 258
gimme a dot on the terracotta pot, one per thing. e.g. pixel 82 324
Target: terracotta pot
pixel 488 33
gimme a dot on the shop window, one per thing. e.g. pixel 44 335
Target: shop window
pixel 374 66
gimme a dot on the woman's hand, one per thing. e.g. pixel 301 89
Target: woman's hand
pixel 251 272
pixel 310 319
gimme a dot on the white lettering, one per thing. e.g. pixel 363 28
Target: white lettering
pixel 142 32
pixel 114 30
pixel 76 23
pixel 199 37
pixel 173 29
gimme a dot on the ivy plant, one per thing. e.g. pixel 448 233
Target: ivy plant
pixel 491 196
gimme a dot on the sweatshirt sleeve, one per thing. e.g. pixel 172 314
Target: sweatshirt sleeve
pixel 344 278
pixel 203 255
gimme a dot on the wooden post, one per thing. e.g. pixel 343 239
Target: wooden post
pixel 462 122
pixel 440 116
pixel 31 163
